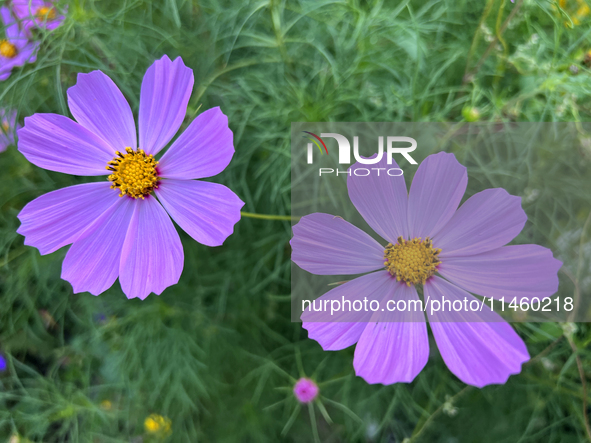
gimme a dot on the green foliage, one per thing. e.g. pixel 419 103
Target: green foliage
pixel 217 353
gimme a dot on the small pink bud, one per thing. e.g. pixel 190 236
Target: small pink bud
pixel 305 390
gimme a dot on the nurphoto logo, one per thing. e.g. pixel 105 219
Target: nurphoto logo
pixel 344 153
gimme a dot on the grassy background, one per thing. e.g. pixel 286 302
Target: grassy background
pixel 217 354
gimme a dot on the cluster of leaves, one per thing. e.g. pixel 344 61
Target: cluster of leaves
pixel 217 354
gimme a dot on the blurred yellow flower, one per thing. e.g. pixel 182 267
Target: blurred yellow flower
pixel 157 424
pixel 582 12
pixel 106 405
pixel 577 10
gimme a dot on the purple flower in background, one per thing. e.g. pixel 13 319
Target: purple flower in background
pixel 36 14
pixel 427 234
pixel 3 364
pixel 121 227
pixel 7 127
pixel 305 390
pixel 15 49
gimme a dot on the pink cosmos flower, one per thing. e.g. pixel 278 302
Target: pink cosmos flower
pixel 427 235
pixel 305 390
pixel 120 227
pixel 7 126
pixel 15 49
pixel 36 14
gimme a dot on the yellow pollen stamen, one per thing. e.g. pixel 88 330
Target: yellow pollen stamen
pixel 5 126
pixel 7 49
pixel 412 261
pixel 134 173
pixel 46 12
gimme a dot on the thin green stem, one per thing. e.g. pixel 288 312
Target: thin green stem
pixel 584 386
pixel 276 22
pixel 437 411
pixel 313 423
pixel 472 49
pixel 470 75
pixel 269 216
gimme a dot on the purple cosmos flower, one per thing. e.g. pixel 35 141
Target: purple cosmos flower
pixel 119 227
pixel 15 49
pixel 7 127
pixel 427 234
pixel 36 14
pixel 305 390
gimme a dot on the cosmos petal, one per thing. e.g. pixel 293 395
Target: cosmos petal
pixel 486 221
pixel 479 347
pixel 381 199
pixel 325 244
pixel 56 143
pixel 26 54
pixel 165 93
pixel 152 256
pixel 98 105
pixel 334 336
pixel 92 263
pixel 206 211
pixel 57 218
pixel 521 271
pixel 341 329
pixel 394 347
pixel 11 26
pixel 204 149
pixel 436 191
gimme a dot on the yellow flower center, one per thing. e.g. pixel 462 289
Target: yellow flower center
pixel 411 261
pixel 5 126
pixel 46 12
pixel 134 173
pixel 7 49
